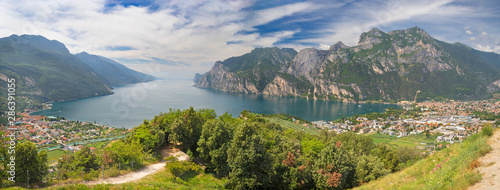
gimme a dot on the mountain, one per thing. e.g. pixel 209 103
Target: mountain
pixel 46 71
pixel 249 73
pixel 197 77
pixel 112 72
pixel 388 67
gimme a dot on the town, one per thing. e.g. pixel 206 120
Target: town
pixel 448 122
pixel 50 132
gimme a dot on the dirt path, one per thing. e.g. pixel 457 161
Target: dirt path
pixel 490 166
pixel 150 169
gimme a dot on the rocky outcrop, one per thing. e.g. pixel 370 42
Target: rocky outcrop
pixel 197 77
pixel 280 87
pixel 494 86
pixel 220 78
pixel 305 61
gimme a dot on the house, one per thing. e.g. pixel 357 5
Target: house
pixel 388 132
pixel 439 138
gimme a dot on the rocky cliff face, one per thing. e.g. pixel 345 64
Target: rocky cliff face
pixel 220 78
pixel 280 87
pixel 383 66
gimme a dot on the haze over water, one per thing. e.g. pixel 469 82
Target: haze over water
pixel 131 104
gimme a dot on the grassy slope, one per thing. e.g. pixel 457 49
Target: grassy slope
pixel 413 140
pixel 54 155
pixel 290 125
pixel 160 180
pixel 451 168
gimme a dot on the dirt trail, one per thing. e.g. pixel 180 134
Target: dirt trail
pixel 150 169
pixel 490 166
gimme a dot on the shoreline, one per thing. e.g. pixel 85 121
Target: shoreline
pixel 302 97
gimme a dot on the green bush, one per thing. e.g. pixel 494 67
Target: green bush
pixel 487 131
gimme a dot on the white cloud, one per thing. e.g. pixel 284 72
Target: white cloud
pixel 486 48
pixel 192 32
pixel 271 14
pixel 324 46
pixel 198 32
pixel 484 41
pixel 364 16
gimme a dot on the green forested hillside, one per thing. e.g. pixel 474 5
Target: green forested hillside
pixel 253 151
pixel 112 72
pixel 47 72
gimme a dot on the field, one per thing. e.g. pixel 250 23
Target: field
pixel 381 138
pixel 413 140
pixel 54 155
pixel 290 125
pixel 98 145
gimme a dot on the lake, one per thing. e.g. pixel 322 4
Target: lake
pixel 129 105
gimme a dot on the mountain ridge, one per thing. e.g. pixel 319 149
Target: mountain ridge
pixel 389 67
pixel 113 72
pixel 46 71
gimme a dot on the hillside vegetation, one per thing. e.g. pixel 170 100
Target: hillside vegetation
pixel 253 151
pixel 451 168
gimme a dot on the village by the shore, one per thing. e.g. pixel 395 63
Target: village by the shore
pixel 452 121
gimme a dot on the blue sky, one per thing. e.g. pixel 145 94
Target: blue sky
pixel 177 38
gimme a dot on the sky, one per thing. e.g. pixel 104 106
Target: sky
pixel 174 39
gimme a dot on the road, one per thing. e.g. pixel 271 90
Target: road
pixel 150 169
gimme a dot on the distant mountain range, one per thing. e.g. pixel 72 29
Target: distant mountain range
pixel 112 72
pixel 389 67
pixel 46 71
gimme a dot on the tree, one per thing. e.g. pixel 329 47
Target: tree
pixel 164 121
pixel 5 156
pixel 30 162
pixel 248 160
pixel 151 136
pixel 187 129
pixel 213 145
pixel 326 135
pixel 123 153
pixel 335 168
pixel 388 156
pixel 369 168
pixel 311 148
pixel 228 119
pixel 86 159
pixel 358 144
pixel 407 156
pixel 177 168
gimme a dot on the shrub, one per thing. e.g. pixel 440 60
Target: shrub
pixel 487 131
pixel 177 168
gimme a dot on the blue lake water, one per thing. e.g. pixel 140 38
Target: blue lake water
pixel 131 104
